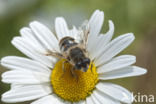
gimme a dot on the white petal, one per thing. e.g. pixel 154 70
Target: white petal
pixel 61 28
pixel 15 86
pixel 89 100
pixel 95 100
pixel 50 99
pixel 15 62
pixel 101 41
pixel 96 22
pixel 124 72
pixel 117 63
pixel 30 37
pixel 45 36
pixel 95 25
pixel 80 102
pixel 113 48
pixel 91 45
pixel 36 43
pixel 26 93
pixel 103 98
pixel 75 34
pixel 110 32
pixel 29 50
pixel 25 77
pixel 115 91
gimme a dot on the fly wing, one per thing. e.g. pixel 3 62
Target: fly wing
pixel 85 32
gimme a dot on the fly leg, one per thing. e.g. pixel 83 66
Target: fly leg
pixel 55 54
pixel 63 67
pixel 91 68
pixel 74 74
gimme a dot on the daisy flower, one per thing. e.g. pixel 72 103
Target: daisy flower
pixel 41 78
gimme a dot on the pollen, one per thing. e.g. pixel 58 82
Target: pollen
pixel 73 87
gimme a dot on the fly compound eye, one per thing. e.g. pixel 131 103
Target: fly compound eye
pixel 78 65
pixel 86 60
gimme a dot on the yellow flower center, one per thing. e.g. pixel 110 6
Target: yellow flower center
pixel 73 87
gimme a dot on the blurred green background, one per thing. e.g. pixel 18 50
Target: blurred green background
pixel 137 16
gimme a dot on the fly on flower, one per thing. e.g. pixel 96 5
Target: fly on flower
pixel 74 53
pixel 83 52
